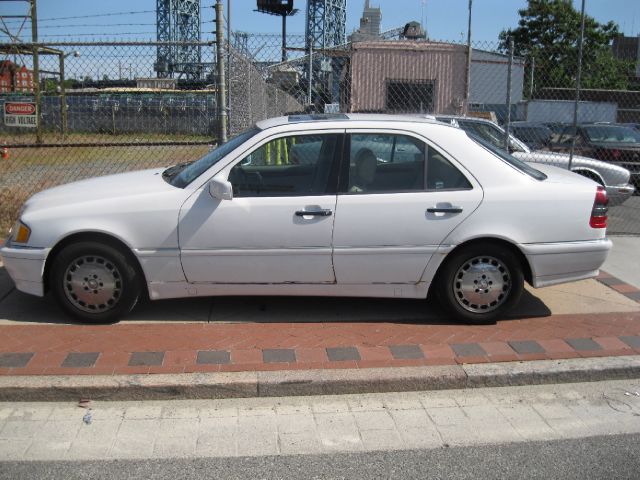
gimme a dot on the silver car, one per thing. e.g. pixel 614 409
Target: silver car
pixel 613 177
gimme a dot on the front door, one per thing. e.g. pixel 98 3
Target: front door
pixel 278 226
pixel 402 198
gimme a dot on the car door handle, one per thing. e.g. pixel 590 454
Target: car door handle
pixel 324 212
pixel 444 210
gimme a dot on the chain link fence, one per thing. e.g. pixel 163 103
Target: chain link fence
pixel 102 111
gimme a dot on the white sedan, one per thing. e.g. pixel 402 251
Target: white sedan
pixel 337 205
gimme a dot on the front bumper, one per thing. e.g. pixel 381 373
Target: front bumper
pixel 618 194
pixel 553 263
pixel 26 267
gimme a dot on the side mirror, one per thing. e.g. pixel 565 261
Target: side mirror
pixel 221 189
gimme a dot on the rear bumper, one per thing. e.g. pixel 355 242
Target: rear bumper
pixel 25 266
pixel 553 263
pixel 618 194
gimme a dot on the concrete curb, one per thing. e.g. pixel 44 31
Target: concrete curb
pixel 314 382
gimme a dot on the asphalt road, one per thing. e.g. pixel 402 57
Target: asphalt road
pixel 594 458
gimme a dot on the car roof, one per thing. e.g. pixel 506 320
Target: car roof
pixel 340 117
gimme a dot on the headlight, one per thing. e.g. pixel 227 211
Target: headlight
pixel 20 233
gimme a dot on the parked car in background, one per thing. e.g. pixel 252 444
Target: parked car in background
pixel 614 144
pixel 613 177
pixel 432 210
pixel 536 136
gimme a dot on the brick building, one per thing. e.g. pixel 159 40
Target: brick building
pixel 14 78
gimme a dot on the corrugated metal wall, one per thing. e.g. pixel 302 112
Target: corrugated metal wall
pixel 373 64
pixel 489 74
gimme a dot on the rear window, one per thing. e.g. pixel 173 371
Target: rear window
pixel 511 160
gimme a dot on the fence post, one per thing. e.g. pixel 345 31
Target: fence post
pixel 578 75
pixel 36 70
pixel 222 95
pixel 229 63
pixel 63 97
pixel 508 121
pixel 533 69
pixel 310 73
pixel 467 92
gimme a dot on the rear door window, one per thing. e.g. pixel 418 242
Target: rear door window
pixel 382 163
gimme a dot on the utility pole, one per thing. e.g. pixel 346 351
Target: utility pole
pixel 222 95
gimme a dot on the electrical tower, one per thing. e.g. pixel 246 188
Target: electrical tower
pixel 178 21
pixel 326 23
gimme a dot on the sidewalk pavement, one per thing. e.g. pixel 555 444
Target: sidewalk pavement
pixel 624 259
pixel 316 424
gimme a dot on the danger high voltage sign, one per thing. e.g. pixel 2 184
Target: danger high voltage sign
pixel 20 114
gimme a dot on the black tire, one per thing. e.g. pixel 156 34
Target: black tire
pixel 94 282
pixel 479 283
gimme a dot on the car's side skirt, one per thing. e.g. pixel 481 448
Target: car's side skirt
pixel 159 291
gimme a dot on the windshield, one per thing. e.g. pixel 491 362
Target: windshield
pixel 612 134
pixel 514 162
pixel 183 174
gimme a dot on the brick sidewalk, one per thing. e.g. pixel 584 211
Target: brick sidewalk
pixel 177 348
pixel 212 347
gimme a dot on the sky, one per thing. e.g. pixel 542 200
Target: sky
pixel 444 19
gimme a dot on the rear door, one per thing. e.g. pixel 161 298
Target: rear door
pixel 390 221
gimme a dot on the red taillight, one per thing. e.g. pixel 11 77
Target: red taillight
pixel 599 211
pixel 615 153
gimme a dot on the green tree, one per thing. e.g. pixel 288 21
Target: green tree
pixel 548 32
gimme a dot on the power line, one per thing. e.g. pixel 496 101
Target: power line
pixel 111 34
pixel 113 14
pixel 103 35
pixel 98 25
pixel 91 16
pixel 109 25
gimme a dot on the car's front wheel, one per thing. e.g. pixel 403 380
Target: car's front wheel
pixel 94 282
pixel 481 282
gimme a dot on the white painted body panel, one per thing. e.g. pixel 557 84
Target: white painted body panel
pixel 391 237
pixel 377 244
pixel 256 240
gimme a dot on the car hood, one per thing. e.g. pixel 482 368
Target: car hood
pixel 109 187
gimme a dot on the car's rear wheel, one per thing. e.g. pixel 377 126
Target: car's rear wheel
pixel 94 282
pixel 481 282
